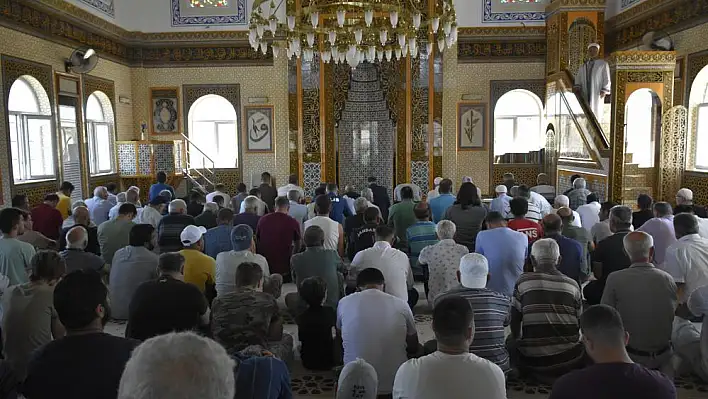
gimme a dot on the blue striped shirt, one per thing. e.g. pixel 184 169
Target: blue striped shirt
pixel 419 236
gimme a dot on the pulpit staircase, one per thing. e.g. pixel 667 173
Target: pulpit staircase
pixel 199 175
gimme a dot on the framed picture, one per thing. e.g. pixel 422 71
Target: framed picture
pixel 258 128
pixel 472 126
pixel 164 110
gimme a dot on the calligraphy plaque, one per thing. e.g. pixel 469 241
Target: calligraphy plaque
pixel 258 128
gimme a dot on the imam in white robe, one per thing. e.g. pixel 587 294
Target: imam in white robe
pixel 593 78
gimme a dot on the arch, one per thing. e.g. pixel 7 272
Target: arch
pixel 100 126
pixel 642 116
pixel 581 33
pixel 698 119
pixel 32 141
pixel 213 127
pixel 518 123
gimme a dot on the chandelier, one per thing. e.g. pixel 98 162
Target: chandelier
pixel 352 31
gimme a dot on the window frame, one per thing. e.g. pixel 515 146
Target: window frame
pixel 702 168
pixel 515 120
pixel 91 135
pixel 194 118
pixel 22 132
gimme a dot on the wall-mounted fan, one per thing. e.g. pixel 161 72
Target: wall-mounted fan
pixel 82 60
pixel 658 41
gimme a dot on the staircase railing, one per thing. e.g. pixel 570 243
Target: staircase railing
pixel 202 176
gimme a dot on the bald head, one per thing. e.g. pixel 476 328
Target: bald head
pixel 81 215
pixel 77 238
pixel 639 246
pixel 552 224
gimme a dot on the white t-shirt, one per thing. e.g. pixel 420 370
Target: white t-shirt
pixel 440 375
pixel 686 261
pixel 330 228
pixel 394 266
pixel 374 327
pixel 283 191
pixel 226 197
pixel 228 262
pixel 589 215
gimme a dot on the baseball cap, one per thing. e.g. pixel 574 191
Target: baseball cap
pixel 159 200
pixel 358 380
pixel 437 180
pixel 192 234
pixel 241 237
pixel 474 270
pixel 500 189
pixel 686 194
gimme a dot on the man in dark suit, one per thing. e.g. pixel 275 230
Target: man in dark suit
pixel 268 192
pixel 381 198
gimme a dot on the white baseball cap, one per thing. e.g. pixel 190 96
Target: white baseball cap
pixel 192 234
pixel 685 193
pixel 500 189
pixel 474 269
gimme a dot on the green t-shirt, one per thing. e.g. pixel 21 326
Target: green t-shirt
pixel 401 217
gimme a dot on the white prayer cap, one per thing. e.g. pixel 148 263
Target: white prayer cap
pixel 467 179
pixel 685 193
pixel 500 189
pixel 474 269
pixel 358 380
pixel 594 45
pixel 437 180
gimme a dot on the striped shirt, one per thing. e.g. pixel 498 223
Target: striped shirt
pixel 534 212
pixel 419 236
pixel 491 314
pixel 550 307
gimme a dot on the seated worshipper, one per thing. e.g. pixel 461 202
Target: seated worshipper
pixel 609 255
pixel 195 207
pixel 166 304
pixel 579 195
pixel 542 187
pixel 15 255
pixel 170 227
pixel 501 202
pixel 115 234
pixel 81 218
pixel 645 297
pixel 519 210
pixel 112 189
pixel 178 366
pixel 30 320
pixel 614 375
pixel 297 210
pixel 533 212
pixel 573 262
pixel 687 259
pixel 155 189
pixel 340 207
pixel 563 201
pixel 444 200
pixel 334 233
pixel 354 222
pixel 69 222
pixel 152 214
pixel 75 254
pixel 99 206
pixel 47 218
pixel 250 212
pixel 690 341
pixel 391 262
pixel 661 229
pixel 509 181
pixel 506 251
pixel 451 372
pixel 435 192
pixel 401 217
pixel 377 327
pixel 685 197
pixel 131 197
pixel 702 223
pixel 590 212
pixel 578 234
pixel 468 214
pixel 132 266
pixel 316 261
pixel 545 341
pixel 243 250
pixel 398 192
pixel 218 239
pixel 81 302
pixel 219 191
pixel 572 180
pixel 364 237
pixel 285 190
pixel 120 200
pixel 278 237
pixel 20 201
pixel 248 316
pixel 311 211
pixel 315 324
pixel 199 269
pixel 420 235
pixel 242 193
pixel 644 213
pixel 358 380
pixel 601 230
pixel 207 218
pixel 491 311
pixel 259 374
pixel 441 260
pixel 34 238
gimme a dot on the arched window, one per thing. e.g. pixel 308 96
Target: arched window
pixel 699 100
pixel 640 127
pixel 31 141
pixel 518 123
pixel 99 129
pixel 213 130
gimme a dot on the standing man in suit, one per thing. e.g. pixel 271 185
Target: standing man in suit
pixel 381 198
pixel 268 192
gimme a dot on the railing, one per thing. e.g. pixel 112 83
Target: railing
pixel 195 172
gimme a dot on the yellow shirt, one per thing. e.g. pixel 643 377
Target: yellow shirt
pixel 199 269
pixel 64 205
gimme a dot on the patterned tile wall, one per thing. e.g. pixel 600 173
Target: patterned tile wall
pixel 53 54
pixel 164 157
pixel 126 160
pixel 460 79
pixel 420 172
pixel 144 155
pixel 313 177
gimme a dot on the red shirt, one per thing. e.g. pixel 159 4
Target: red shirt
pixel 533 230
pixel 47 220
pixel 274 237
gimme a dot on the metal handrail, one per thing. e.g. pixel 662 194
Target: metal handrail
pixel 189 167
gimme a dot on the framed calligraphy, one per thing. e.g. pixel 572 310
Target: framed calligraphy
pixel 258 128
pixel 164 110
pixel 472 126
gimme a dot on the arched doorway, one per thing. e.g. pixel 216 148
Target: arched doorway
pixel 643 112
pixel 213 129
